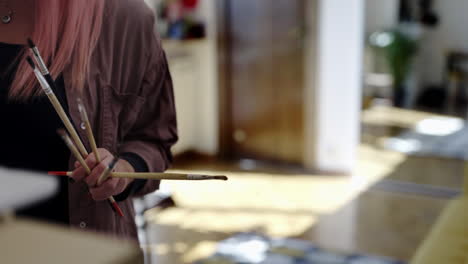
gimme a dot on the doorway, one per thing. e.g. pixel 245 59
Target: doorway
pixel 263 79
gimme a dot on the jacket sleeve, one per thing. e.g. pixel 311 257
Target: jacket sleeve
pixel 155 130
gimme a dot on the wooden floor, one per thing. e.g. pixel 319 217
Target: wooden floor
pixel 342 213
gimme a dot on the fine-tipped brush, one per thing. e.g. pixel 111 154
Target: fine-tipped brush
pixel 40 63
pixel 107 171
pixel 154 176
pixel 57 106
pixel 89 131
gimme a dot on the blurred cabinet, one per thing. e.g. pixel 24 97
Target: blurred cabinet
pixel 182 64
pixel 184 86
pixel 192 68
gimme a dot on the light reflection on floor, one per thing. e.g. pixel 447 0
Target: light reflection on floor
pixel 279 205
pixel 338 213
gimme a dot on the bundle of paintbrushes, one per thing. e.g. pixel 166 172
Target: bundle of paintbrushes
pixel 74 143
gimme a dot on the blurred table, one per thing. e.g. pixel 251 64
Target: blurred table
pixel 24 241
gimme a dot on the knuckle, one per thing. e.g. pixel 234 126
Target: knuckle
pixel 76 174
pixel 88 182
pixel 95 196
pixel 91 161
pixel 102 166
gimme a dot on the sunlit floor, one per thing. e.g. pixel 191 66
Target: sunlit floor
pixel 339 213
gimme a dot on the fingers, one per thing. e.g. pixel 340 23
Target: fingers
pixel 79 174
pixel 91 161
pixel 97 171
pixel 91 158
pixel 111 186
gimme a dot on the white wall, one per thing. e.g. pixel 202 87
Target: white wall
pixel 195 79
pixel 207 136
pixel 334 91
pixel 332 98
pixel 452 33
pixel 381 14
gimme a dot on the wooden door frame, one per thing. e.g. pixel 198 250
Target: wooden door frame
pixel 316 151
pixel 224 64
pixel 224 71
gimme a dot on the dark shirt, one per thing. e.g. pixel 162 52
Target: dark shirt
pixel 28 138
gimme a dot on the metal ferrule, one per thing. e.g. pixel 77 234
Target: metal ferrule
pixel 82 110
pixel 196 177
pixel 67 140
pixel 40 62
pixel 42 81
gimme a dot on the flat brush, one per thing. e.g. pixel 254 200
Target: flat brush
pixel 40 62
pixel 58 107
pixel 107 171
pixel 154 176
pixel 103 177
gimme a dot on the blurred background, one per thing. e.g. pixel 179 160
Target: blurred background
pixel 341 125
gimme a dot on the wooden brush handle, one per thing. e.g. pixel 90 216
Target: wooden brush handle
pixel 92 141
pixel 68 125
pixel 150 176
pixel 153 176
pixel 165 176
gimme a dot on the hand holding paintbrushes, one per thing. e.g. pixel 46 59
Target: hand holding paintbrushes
pixel 85 166
pixel 119 175
pixel 46 86
pixel 76 146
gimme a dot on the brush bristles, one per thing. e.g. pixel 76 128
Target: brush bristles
pixel 113 163
pixel 62 132
pixel 31 43
pixel 82 110
pixel 31 62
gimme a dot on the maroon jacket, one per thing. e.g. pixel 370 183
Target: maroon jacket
pixel 130 100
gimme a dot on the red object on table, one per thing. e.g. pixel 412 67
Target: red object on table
pixel 190 3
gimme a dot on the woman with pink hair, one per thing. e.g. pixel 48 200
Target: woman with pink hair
pixel 106 53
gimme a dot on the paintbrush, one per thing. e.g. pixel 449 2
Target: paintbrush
pixel 40 63
pixel 85 166
pixel 105 174
pixel 103 177
pixel 92 141
pixel 58 107
pixel 89 131
pixel 154 176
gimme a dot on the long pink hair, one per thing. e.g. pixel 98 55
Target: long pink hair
pixel 66 32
